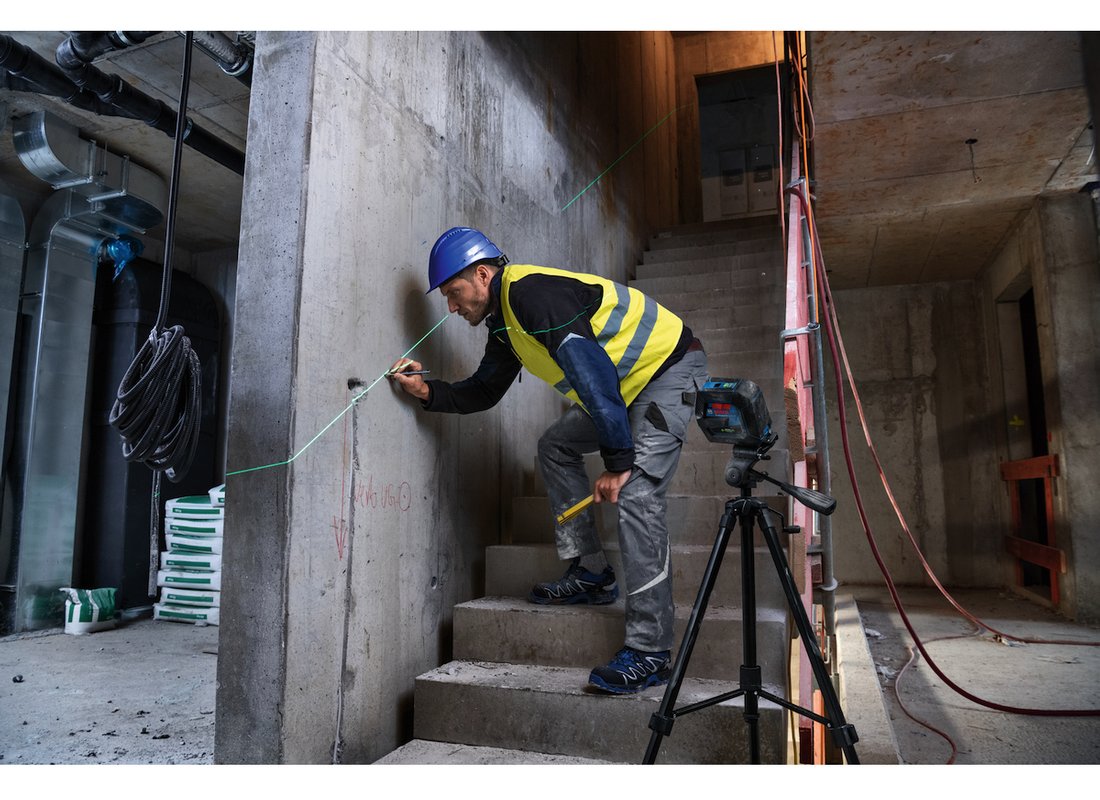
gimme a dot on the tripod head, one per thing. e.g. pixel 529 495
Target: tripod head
pixel 733 411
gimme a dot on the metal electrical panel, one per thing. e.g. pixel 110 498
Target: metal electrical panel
pixel 764 182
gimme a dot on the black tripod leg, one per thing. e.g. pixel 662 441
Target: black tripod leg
pixel 661 721
pixel 751 674
pixel 843 734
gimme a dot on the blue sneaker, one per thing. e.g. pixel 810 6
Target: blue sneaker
pixel 577 585
pixel 631 671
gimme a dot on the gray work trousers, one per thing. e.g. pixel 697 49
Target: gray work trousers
pixel 659 420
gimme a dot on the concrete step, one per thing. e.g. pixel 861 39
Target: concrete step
pixel 421 751
pixel 689 267
pixel 725 338
pixel 744 246
pixel 756 365
pixel 718 232
pixel 507 629
pixel 550 710
pixel 764 268
pixel 691 519
pixel 714 299
pixel 727 313
pixel 512 569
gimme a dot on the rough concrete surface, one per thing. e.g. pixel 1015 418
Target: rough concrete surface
pixel 104 698
pixel 1030 676
pixel 142 693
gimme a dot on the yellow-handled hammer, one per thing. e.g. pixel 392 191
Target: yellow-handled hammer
pixel 569 513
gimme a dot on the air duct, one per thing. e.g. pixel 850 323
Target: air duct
pixel 13 246
pixel 78 82
pixel 101 196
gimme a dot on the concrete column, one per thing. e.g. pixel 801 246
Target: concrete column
pixel 252 639
pixel 1067 294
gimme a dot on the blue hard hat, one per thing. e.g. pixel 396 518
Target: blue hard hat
pixel 455 250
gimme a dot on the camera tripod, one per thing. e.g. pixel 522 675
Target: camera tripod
pixel 751 511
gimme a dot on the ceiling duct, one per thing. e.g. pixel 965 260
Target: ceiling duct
pixel 75 80
pixel 13 246
pixel 101 196
pixel 53 151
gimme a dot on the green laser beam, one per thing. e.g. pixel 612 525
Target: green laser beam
pixel 341 414
pixel 620 158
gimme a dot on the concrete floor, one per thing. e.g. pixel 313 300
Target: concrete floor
pixel 144 693
pixel 1031 676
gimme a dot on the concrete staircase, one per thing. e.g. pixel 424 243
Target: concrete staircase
pixel 516 689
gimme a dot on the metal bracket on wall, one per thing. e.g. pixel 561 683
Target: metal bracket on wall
pixel 790 333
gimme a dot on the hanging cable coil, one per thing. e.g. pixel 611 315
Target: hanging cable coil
pixel 158 405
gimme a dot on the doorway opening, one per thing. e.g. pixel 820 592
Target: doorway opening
pixel 739 143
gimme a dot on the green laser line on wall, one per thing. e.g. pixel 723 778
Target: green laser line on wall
pixel 347 408
pixel 644 136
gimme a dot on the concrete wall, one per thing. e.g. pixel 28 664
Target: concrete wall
pixel 919 357
pixel 1054 252
pixel 342 567
pixel 934 365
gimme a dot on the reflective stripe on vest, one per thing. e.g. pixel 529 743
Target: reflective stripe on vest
pixel 637 332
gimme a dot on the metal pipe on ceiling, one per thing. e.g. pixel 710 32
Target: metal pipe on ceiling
pixel 234 57
pixel 90 45
pixel 85 86
pixel 29 72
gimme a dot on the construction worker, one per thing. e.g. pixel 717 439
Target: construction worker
pixel 632 369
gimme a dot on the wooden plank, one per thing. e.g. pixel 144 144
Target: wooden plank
pixel 666 72
pixel 691 55
pixel 1029 468
pixel 629 181
pixel 1035 553
pixel 650 113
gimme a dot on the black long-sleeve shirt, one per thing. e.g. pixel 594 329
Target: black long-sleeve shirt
pixel 557 311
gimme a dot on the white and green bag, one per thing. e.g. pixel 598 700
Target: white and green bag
pixel 197 506
pixel 89 610
pixel 193 527
pixel 189 579
pixel 191 614
pixel 173 559
pixel 190 543
pixel 189 597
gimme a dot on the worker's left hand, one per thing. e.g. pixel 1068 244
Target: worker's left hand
pixel 608 486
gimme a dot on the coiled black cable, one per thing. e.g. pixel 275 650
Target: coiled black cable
pixel 158 405
pixel 159 402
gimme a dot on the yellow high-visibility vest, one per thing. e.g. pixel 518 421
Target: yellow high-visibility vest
pixel 636 331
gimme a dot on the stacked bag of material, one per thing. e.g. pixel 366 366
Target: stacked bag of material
pixel 190 576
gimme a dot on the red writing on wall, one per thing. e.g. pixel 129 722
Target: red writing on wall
pixel 340 530
pixel 383 497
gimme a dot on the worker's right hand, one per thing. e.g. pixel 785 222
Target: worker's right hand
pixel 411 384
